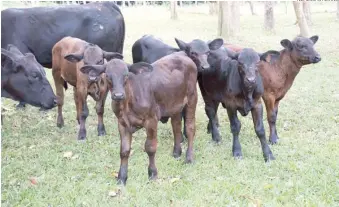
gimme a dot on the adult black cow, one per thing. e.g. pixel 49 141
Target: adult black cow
pixel 36 30
pixel 24 79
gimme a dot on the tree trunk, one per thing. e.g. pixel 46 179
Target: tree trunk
pixel 337 10
pixel 213 8
pixel 228 19
pixel 251 7
pixel 174 14
pixel 307 12
pixel 304 31
pixel 269 16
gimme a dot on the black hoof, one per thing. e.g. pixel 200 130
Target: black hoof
pixel 152 174
pixel 273 140
pixel 101 130
pixel 60 125
pixel 268 158
pixel 82 135
pixel 177 152
pixel 121 181
pixel 237 155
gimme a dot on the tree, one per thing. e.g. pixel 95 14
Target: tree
pixel 269 16
pixel 174 14
pixel 304 31
pixel 337 10
pixel 307 12
pixel 251 7
pixel 213 7
pixel 228 19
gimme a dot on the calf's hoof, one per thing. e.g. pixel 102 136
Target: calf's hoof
pixel 101 130
pixel 121 181
pixel 189 158
pixel 60 122
pixel 273 140
pixel 177 152
pixel 269 157
pixel 152 173
pixel 237 154
pixel 82 134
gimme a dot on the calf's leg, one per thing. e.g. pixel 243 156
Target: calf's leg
pixel 83 113
pixel 211 112
pixel 125 149
pixel 272 113
pixel 59 84
pixel 235 129
pixel 176 127
pixel 100 108
pixel 209 125
pixel 151 147
pixel 257 116
pixel 190 109
pixel 75 96
pixel 183 117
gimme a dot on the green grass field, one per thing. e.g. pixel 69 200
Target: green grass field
pixel 305 173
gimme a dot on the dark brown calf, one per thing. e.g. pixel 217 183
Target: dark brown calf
pixel 278 76
pixel 143 99
pixel 69 55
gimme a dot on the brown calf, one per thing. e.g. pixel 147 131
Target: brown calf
pixel 278 76
pixel 143 99
pixel 68 56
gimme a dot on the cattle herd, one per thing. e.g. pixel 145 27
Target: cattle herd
pixel 83 45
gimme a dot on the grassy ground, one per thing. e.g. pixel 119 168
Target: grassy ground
pixel 306 172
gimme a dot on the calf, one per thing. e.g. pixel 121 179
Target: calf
pixel 69 56
pixel 24 79
pixel 279 75
pixel 142 100
pixel 149 49
pixel 238 86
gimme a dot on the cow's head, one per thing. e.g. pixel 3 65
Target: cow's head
pixel 93 55
pixel 199 50
pixel 302 49
pixel 117 72
pixel 24 79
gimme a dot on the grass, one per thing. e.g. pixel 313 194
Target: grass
pixel 305 173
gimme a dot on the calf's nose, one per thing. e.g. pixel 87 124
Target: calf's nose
pixel 55 102
pixel 250 79
pixel 118 96
pixel 316 59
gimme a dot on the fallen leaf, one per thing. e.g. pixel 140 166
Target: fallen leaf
pixel 115 192
pixel 112 194
pixel 33 180
pixel 268 186
pixel 76 156
pixel 115 174
pixel 68 154
pixel 174 180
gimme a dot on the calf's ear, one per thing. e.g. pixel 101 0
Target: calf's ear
pixel 13 49
pixel 74 57
pixel 286 44
pixel 181 44
pixel 273 54
pixel 95 69
pixel 8 61
pixel 314 38
pixel 140 67
pixel 216 44
pixel 112 55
